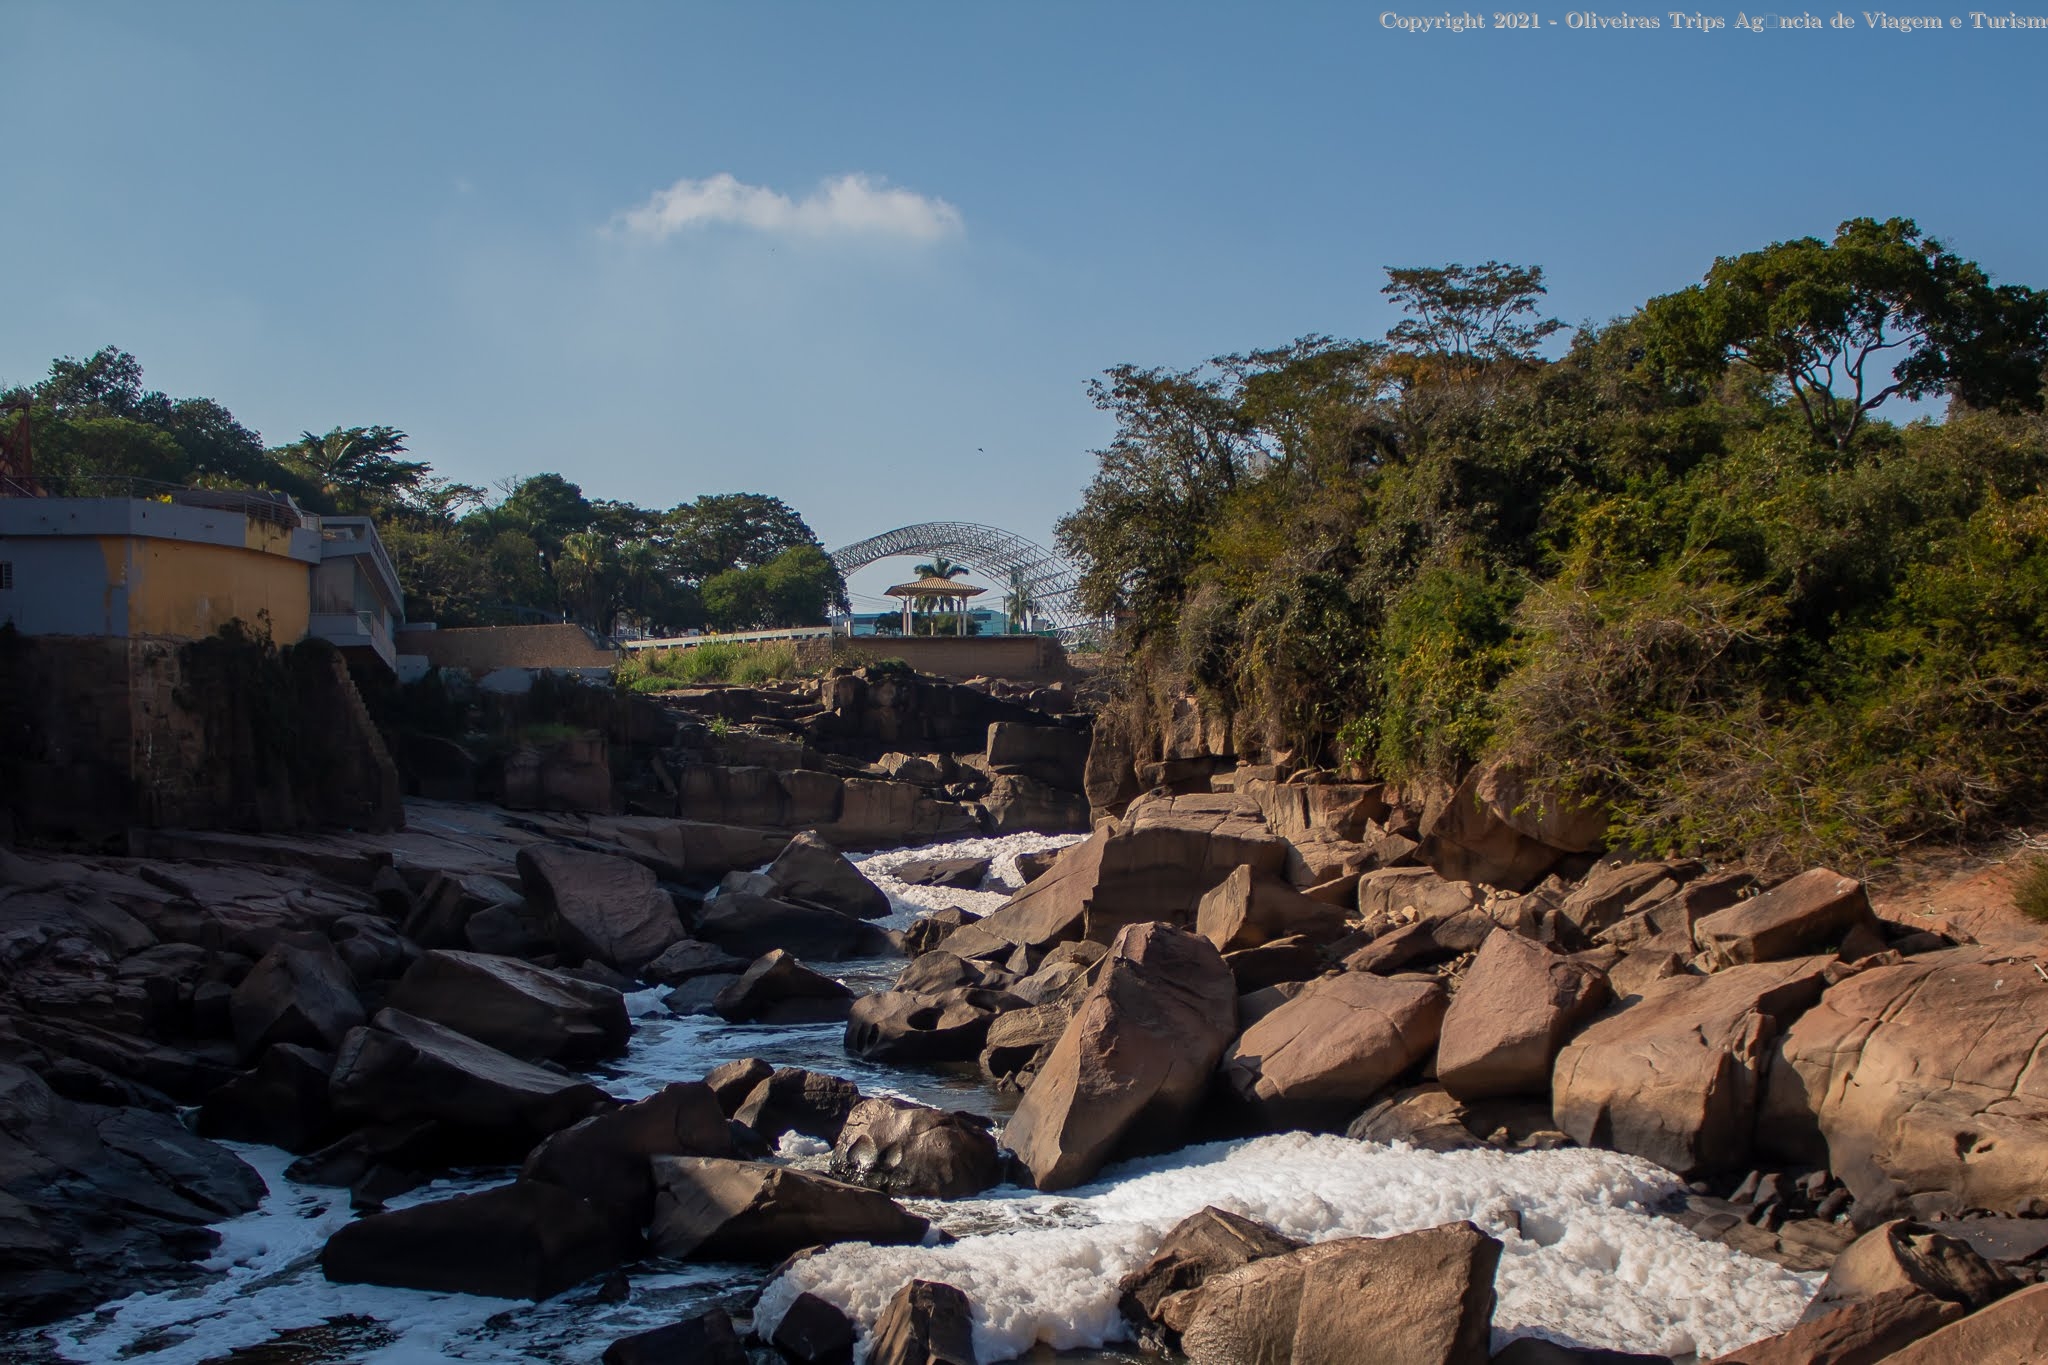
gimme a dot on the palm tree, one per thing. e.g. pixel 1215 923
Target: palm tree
pixel 940 567
pixel 1022 604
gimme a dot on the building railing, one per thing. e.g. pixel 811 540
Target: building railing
pixel 275 508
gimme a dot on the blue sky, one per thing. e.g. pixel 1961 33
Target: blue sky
pixel 502 228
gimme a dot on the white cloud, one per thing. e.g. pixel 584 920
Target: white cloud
pixel 845 205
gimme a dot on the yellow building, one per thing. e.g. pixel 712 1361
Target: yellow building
pixel 185 565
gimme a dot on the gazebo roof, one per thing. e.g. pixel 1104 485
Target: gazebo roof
pixel 930 586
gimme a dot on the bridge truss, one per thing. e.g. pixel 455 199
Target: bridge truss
pixel 1050 580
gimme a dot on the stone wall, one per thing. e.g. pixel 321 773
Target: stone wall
pixel 484 649
pixel 103 734
pixel 1018 658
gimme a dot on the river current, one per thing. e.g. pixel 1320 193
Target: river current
pixel 1586 1261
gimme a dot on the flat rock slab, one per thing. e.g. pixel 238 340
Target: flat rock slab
pixel 959 874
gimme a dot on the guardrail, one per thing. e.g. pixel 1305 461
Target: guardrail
pixel 731 637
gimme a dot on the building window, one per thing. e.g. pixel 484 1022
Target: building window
pixel 6 575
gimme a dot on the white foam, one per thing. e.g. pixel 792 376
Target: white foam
pixel 1584 1259
pixel 913 902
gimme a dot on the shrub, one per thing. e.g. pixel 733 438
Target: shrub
pixel 2030 889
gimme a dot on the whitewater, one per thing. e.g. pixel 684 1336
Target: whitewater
pixel 1586 1260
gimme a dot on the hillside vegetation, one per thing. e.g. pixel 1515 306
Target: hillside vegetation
pixel 1687 567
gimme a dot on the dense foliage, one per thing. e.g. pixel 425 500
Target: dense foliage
pixel 1685 566
pixel 540 550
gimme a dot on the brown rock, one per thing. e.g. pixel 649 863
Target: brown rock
pixel 925 1324
pixel 916 1152
pixel 1922 1079
pixel 778 989
pixel 812 871
pixel 1134 1062
pixel 1402 895
pixel 814 1332
pixel 1317 1059
pixel 751 926
pixel 731 1083
pixel 1269 964
pixel 527 1011
pixel 1424 1298
pixel 1249 908
pixel 904 1026
pixel 1423 1116
pixel 1810 912
pixel 688 959
pixel 604 1158
pixel 298 993
pixel 1466 840
pixel 713 1210
pixel 2013 1331
pixel 1861 1332
pixel 403 1068
pixel 1518 1004
pixel 1154 864
pixel 1202 1244
pixel 599 906
pixel 1019 1042
pixel 1911 1256
pixel 707 1339
pixel 525 1240
pixel 929 931
pixel 1676 1076
pixel 807 1102
pixel 1611 890
pixel 959 874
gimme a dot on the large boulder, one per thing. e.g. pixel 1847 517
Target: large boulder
pixel 1016 804
pixel 402 1067
pixel 527 1011
pixel 1518 1004
pixel 300 992
pixel 1393 896
pixel 1676 1076
pixel 916 1152
pixel 1466 839
pixel 1249 908
pixel 793 1100
pixel 1317 1059
pixel 1805 915
pixel 715 1210
pixel 2013 1331
pixel 605 1157
pixel 282 1101
pixel 1153 865
pixel 525 1240
pixel 812 871
pixel 908 1026
pixel 778 989
pixel 1911 1256
pixel 752 925
pixel 1423 1298
pixel 1134 1062
pixel 1922 1078
pixel 959 874
pixel 926 1323
pixel 1613 891
pixel 1052 754
pixel 600 907
pixel 1205 1243
pixel 1020 1042
pixel 707 1339
pixel 1858 1332
pixel 688 959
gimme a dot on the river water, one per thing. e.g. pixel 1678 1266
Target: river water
pixel 1586 1260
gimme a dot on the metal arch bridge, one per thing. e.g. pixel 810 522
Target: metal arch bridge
pixel 1050 578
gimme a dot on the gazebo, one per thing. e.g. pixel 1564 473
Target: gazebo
pixel 932 588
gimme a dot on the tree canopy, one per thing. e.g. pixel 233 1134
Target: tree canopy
pixel 540 550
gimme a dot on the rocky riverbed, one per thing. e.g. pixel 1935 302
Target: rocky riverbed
pixel 558 1087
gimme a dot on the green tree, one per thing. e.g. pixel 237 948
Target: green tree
pixel 1470 315
pixel 1882 311
pixel 721 531
pixel 357 469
